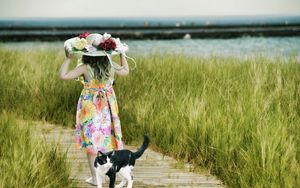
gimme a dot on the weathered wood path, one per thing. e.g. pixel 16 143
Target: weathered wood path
pixel 151 170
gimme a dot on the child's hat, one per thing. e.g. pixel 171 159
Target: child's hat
pixel 94 44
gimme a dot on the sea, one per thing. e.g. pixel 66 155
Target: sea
pixel 242 47
pixel 152 21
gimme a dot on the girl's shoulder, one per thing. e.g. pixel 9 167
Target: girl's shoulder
pixel 80 64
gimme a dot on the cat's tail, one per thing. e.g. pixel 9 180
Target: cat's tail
pixel 140 151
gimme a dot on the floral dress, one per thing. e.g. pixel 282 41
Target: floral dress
pixel 98 125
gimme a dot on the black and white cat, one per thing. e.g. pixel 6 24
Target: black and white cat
pixel 118 161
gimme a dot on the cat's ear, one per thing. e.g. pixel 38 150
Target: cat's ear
pixel 99 152
pixel 113 153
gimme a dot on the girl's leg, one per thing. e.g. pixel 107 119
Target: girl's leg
pixel 91 159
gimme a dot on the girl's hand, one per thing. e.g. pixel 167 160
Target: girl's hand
pixel 68 53
pixel 124 66
pixel 121 54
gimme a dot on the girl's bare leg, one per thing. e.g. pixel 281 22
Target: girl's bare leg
pixel 91 160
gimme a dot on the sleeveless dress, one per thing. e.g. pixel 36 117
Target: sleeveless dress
pixel 98 125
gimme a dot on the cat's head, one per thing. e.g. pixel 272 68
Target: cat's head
pixel 104 159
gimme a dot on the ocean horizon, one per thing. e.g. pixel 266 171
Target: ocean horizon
pixel 244 47
pixel 151 21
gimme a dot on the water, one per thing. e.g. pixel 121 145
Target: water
pixel 239 47
pixel 246 47
pixel 152 21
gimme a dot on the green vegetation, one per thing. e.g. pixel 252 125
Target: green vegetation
pixel 30 86
pixel 238 118
pixel 29 162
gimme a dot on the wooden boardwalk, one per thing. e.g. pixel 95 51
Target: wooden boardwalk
pixel 151 170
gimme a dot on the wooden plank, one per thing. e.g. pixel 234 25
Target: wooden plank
pixel 151 170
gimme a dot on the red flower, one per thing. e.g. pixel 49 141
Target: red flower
pixel 108 44
pixel 84 35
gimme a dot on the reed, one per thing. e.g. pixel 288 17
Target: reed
pixel 238 118
pixel 29 162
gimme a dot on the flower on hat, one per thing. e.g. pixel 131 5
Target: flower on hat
pixel 90 48
pixel 93 42
pixel 108 45
pixel 121 47
pixel 106 36
pixel 84 35
pixel 79 43
pixel 94 39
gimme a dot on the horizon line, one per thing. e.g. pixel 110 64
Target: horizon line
pixel 151 17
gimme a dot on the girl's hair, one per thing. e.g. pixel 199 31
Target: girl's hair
pixel 100 65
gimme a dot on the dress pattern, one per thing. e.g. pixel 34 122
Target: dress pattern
pixel 98 125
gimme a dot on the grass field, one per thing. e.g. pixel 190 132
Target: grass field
pixel 29 162
pixel 238 118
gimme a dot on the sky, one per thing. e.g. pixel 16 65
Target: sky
pixel 144 8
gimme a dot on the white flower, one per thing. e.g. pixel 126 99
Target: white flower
pixel 90 48
pixel 79 44
pixel 94 39
pixel 118 43
pixel 125 47
pixel 121 47
pixel 106 36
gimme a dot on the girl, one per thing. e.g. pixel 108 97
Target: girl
pixel 98 125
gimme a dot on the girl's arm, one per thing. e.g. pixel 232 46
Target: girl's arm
pixel 75 73
pixel 125 70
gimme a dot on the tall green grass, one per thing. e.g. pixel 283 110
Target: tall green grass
pixel 30 86
pixel 238 118
pixel 26 161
